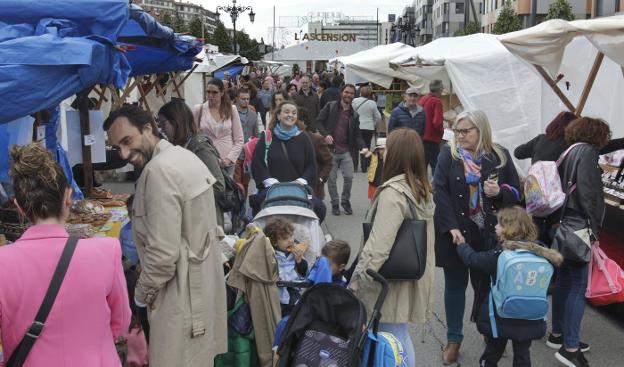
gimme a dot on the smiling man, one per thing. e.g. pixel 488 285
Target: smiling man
pixel 176 235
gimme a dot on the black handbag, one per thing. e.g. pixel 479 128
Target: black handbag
pixel 18 358
pixel 408 257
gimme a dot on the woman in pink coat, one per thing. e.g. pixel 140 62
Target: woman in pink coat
pixel 91 308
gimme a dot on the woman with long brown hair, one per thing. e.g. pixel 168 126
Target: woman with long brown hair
pixel 405 185
pixel 219 120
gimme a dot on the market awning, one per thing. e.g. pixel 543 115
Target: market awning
pixel 52 49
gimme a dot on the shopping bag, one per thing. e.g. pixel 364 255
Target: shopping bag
pixel 606 279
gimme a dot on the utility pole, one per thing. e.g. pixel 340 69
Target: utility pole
pixel 533 16
pixel 273 51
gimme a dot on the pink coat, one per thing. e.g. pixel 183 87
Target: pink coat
pixel 90 310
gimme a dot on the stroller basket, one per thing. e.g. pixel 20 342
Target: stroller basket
pixel 288 193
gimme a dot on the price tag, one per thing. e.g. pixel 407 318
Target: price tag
pixel 40 133
pixel 89 140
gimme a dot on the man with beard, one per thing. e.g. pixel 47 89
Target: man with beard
pixel 340 125
pixel 176 235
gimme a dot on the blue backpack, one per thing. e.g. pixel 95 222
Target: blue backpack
pixel 522 280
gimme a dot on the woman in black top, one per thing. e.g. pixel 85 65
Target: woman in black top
pixel 290 156
pixel 549 146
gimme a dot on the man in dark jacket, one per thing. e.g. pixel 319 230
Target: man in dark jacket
pixel 307 101
pixel 332 93
pixel 408 113
pixel 340 125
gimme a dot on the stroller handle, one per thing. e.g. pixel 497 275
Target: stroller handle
pixel 300 284
pixel 384 288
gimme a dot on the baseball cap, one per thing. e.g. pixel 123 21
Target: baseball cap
pixel 412 90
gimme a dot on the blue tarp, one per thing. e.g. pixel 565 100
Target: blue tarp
pixel 234 70
pixel 156 48
pixel 52 49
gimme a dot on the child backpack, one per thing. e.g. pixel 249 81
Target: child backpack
pixel 250 148
pixel 522 280
pixel 542 188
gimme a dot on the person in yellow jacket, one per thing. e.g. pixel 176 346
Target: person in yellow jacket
pixel 375 169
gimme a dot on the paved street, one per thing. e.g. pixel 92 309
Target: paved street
pixel 602 332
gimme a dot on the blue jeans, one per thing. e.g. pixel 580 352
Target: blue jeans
pixel 455 284
pixel 401 332
pixel 344 163
pixel 569 302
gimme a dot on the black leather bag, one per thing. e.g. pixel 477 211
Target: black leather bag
pixel 408 257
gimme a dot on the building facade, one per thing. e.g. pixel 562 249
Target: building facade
pixel 449 16
pixel 423 13
pixel 366 32
pixel 492 9
pixel 185 10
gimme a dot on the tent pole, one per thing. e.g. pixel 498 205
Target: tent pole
pixel 87 168
pixel 129 88
pixel 553 85
pixel 589 83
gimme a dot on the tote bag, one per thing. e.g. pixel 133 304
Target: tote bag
pixel 606 279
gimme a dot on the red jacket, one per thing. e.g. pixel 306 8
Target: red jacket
pixel 434 119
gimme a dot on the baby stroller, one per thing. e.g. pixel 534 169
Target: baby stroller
pixel 326 329
pixel 291 200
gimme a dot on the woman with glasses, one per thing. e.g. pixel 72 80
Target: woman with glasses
pixel 219 120
pixel 474 178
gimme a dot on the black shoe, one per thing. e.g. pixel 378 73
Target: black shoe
pixel 335 210
pixel 556 342
pixel 347 208
pixel 571 359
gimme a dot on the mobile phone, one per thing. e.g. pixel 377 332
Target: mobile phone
pixel 493 176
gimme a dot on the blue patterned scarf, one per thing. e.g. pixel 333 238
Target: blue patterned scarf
pixel 286 134
pixel 472 171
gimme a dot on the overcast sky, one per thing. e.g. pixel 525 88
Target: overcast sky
pixel 264 11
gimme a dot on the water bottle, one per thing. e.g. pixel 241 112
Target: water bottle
pixel 325 360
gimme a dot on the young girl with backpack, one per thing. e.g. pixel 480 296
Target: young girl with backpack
pixel 516 305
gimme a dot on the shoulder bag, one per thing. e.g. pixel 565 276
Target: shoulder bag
pixel 408 256
pixel 18 358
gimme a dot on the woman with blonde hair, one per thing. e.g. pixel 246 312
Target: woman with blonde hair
pixel 219 120
pixel 474 178
pixel 405 191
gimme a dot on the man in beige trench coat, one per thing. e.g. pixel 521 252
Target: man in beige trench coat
pixel 176 234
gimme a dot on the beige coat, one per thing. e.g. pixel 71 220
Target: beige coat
pixel 182 281
pixel 255 273
pixel 407 301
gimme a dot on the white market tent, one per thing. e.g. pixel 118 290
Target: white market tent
pixel 485 76
pixel 193 87
pixel 315 51
pixel 582 61
pixel 372 66
pixel 275 67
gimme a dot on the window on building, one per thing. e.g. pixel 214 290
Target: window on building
pixel 446 8
pixel 459 8
pixel 445 27
pixel 480 8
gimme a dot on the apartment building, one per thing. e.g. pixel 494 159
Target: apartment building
pixel 449 16
pixel 423 14
pixel 184 10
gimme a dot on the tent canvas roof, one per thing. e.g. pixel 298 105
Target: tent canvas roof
pixel 316 51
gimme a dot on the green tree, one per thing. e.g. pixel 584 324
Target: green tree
pixel 560 9
pixel 166 20
pixel 508 20
pixel 247 47
pixel 179 25
pixel 471 28
pixel 221 38
pixel 195 27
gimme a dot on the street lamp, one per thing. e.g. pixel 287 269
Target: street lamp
pixel 404 30
pixel 234 11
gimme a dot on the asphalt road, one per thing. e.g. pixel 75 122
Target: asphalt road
pixel 603 332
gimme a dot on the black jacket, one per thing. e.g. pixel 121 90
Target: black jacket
pixel 486 262
pixel 308 106
pixel 452 207
pixel 328 119
pixel 302 163
pixel 329 95
pixel 587 201
pixel 541 148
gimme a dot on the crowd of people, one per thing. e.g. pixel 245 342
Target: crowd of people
pixel 305 132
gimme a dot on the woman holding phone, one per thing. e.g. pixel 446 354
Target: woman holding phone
pixel 474 177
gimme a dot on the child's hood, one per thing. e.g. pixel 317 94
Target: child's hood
pixel 549 254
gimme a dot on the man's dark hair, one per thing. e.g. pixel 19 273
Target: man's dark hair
pixel 243 90
pixel 337 251
pixel 347 86
pixel 324 84
pixel 135 115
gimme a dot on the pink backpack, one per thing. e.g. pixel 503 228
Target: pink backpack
pixel 606 279
pixel 250 148
pixel 542 189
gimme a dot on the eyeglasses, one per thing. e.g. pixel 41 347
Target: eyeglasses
pixel 463 131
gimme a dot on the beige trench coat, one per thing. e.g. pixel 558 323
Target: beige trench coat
pixel 182 281
pixel 407 301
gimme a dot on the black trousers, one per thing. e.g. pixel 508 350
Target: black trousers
pixel 496 347
pixel 432 150
pixel 367 135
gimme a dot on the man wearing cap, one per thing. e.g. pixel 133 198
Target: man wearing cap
pixel 408 113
